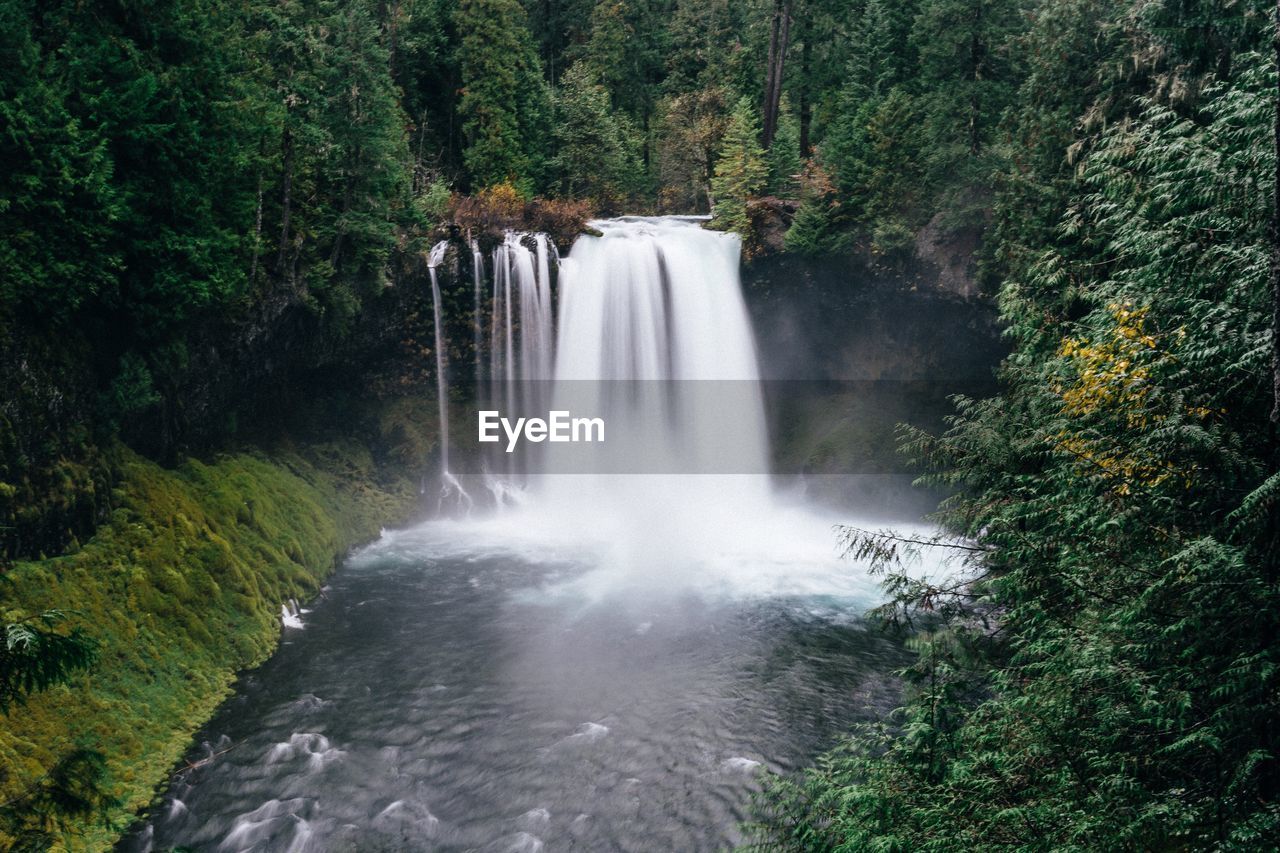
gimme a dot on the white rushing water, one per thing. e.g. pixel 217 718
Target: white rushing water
pixel 477 316
pixel 451 489
pixel 654 335
pixel 649 331
pixel 521 344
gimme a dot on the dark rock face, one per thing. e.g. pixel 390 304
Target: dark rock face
pixel 849 351
pixel 843 318
pixel 265 366
pixel 770 218
pixel 953 253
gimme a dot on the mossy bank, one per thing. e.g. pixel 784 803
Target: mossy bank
pixel 181 590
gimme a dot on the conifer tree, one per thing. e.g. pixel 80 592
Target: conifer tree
pixel 59 201
pixel 706 39
pixel 366 164
pixel 883 55
pixel 1103 670
pixel 627 47
pixel 783 155
pixel 504 104
pixel 426 70
pixel 815 229
pixel 595 149
pixel 966 69
pixel 741 171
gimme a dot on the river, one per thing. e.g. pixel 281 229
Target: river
pixel 495 696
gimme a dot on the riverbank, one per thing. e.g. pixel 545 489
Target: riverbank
pixel 182 589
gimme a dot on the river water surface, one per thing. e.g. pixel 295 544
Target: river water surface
pixel 499 696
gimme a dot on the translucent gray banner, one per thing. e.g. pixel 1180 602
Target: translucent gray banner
pixel 578 427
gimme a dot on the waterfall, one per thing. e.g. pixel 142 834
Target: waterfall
pixel 442 381
pixel 477 317
pixel 654 337
pixel 521 332
pixel 657 304
pixel 542 322
pixel 450 488
pixel 647 328
pixel 521 341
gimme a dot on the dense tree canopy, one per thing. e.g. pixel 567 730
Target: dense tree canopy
pixel 741 170
pixel 1104 673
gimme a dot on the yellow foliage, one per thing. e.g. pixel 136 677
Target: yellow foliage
pixel 1115 373
pixel 1113 464
pixel 503 199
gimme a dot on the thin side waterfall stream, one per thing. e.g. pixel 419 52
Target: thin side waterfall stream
pixel 605 658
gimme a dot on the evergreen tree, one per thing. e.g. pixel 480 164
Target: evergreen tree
pixel 815 229
pixel 783 155
pixel 425 68
pixel 706 46
pixel 967 71
pixel 627 48
pixel 740 171
pixel 559 27
pixel 365 168
pixel 58 204
pixel 883 56
pixel 504 103
pixel 1101 668
pixel 878 160
pixel 342 171
pixel 824 44
pixel 595 149
pixel 161 91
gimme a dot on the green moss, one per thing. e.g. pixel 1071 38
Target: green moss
pixel 182 590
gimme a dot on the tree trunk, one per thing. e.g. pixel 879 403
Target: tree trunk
pixel 348 192
pixel 806 105
pixel 779 32
pixel 257 233
pixel 1275 241
pixel 975 103
pixel 286 198
pixel 393 26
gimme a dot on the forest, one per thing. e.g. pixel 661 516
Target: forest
pixel 1103 669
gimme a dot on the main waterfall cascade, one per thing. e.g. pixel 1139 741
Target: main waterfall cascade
pixel 645 325
pixel 652 315
pixel 651 304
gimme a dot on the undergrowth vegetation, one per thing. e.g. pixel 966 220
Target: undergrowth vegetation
pixel 181 590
